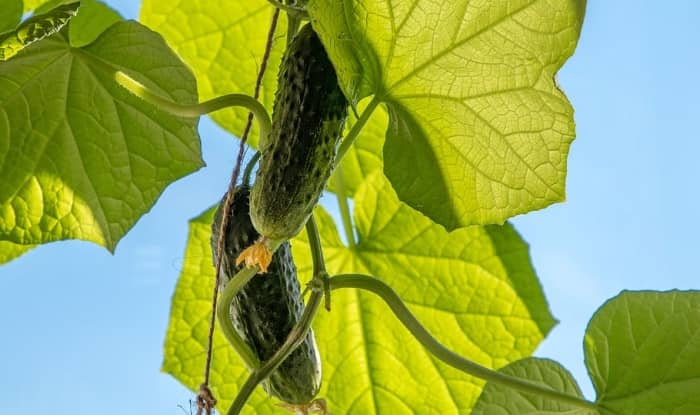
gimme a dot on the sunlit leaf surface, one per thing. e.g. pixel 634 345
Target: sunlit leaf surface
pixel 80 157
pixel 479 130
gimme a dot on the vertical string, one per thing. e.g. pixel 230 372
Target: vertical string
pixel 205 399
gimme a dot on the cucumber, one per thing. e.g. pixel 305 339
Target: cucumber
pixel 265 310
pixel 297 158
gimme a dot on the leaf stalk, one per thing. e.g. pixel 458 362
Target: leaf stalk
pixel 397 306
pixel 248 172
pixel 341 195
pixel 196 110
pixel 355 131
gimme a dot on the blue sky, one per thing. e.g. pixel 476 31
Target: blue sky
pixel 83 329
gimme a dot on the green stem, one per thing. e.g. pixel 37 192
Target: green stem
pixel 195 110
pixel 319 266
pixel 355 131
pixel 404 315
pixel 293 23
pixel 223 310
pixel 223 314
pixel 299 331
pixel 320 276
pixel 341 195
pixel 248 172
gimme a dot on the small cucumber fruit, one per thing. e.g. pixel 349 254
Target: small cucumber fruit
pixel 307 123
pixel 265 310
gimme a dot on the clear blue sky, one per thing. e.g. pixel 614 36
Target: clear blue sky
pixel 83 330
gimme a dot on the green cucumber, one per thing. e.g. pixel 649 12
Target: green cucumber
pixel 297 157
pixel 265 310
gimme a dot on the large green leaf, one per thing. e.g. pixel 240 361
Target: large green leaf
pixel 643 353
pixel 223 43
pixel 80 157
pixel 474 289
pixel 10 14
pixel 10 251
pixel 479 130
pixel 497 399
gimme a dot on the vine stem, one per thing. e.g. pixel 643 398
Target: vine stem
pixel 340 191
pixel 355 131
pixel 386 293
pixel 298 333
pixel 248 172
pixel 293 23
pixel 317 262
pixel 195 110
pixel 341 195
pixel 223 313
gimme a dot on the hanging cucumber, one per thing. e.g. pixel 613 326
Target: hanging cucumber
pixel 297 157
pixel 264 311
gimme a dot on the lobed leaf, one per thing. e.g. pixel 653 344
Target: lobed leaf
pixel 497 399
pixel 479 130
pixel 642 351
pixel 80 157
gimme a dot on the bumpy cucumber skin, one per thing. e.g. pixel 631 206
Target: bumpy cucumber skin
pixel 297 158
pixel 265 310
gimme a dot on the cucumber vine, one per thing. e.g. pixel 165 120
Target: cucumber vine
pixel 321 283
pixel 459 115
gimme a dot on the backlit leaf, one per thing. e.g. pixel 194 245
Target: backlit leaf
pixel 80 157
pixel 479 130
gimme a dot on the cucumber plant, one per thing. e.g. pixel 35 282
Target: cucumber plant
pixel 472 129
